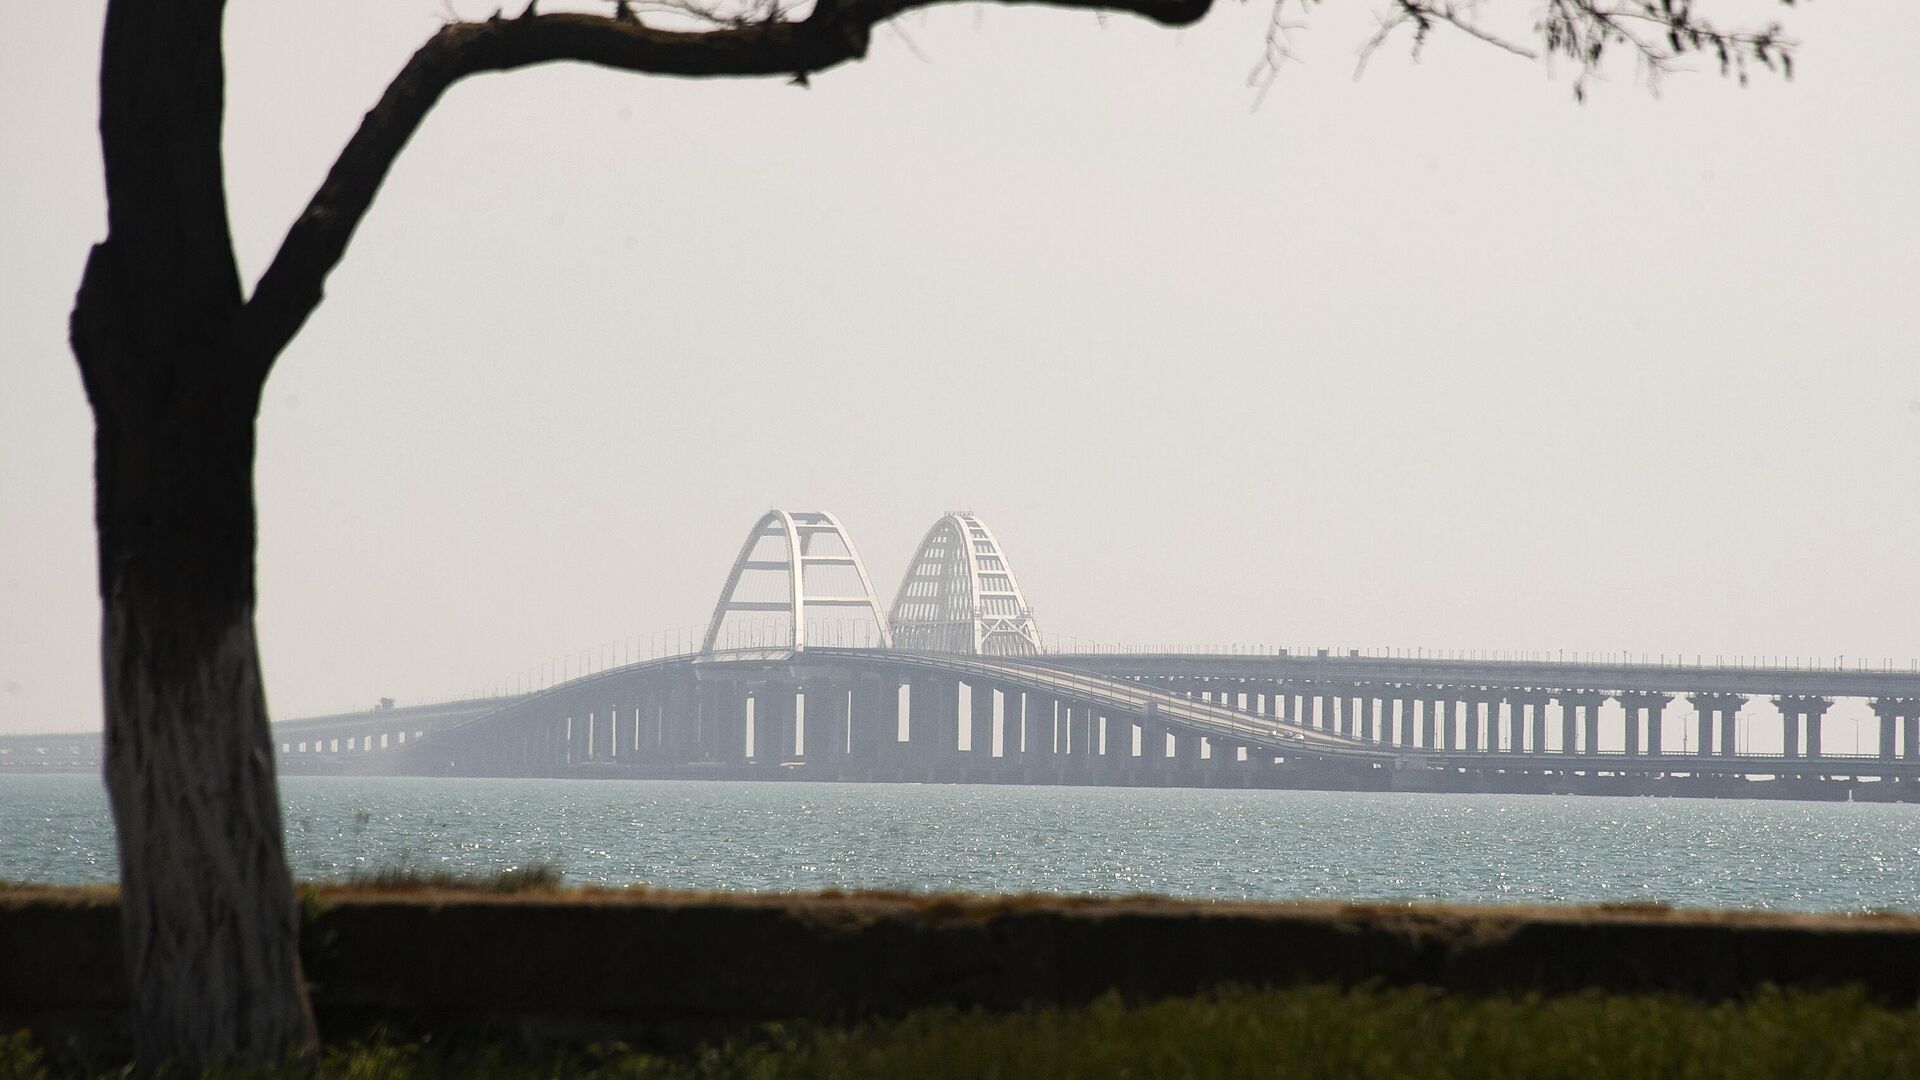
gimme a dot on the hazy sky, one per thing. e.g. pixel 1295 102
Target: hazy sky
pixel 1437 358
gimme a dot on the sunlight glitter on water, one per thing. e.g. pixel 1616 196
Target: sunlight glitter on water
pixel 1199 843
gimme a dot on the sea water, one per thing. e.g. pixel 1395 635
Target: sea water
pixel 1270 845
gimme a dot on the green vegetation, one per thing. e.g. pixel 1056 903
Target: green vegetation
pixel 1305 1032
pixel 408 876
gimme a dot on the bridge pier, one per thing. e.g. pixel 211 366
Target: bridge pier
pixel 1581 721
pixel 1798 712
pixel 1635 704
pixel 1537 721
pixel 827 713
pixel 723 710
pixel 875 721
pixel 1013 728
pixel 773 724
pixel 1497 727
pixel 1716 712
pixel 933 725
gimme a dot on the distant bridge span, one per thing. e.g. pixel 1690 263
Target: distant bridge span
pixel 802 673
pixel 1282 721
pixel 951 683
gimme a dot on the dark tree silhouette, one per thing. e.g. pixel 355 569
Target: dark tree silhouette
pixel 174 355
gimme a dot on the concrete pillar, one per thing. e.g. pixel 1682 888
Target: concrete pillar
pixel 773 723
pixel 1632 725
pixel 1117 753
pixel 1910 728
pixel 1537 713
pixel 1796 710
pixel 1153 745
pixel 1569 725
pixel 1888 715
pixel 932 702
pixel 827 714
pixel 980 723
pixel 731 722
pixel 1373 716
pixel 1013 725
pixel 1716 712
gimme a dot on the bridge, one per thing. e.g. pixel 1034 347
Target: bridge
pixel 802 674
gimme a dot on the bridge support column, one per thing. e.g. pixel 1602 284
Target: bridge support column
pixel 1898 716
pixel 723 711
pixel 1797 710
pixel 828 712
pixel 774 723
pixel 876 716
pixel 1715 712
pixel 933 729
pixel 1116 749
pixel 1221 759
pixel 980 724
pixel 1469 710
pixel 1153 740
pixel 1373 715
pixel 1644 709
pixel 1537 717
pixel 1013 726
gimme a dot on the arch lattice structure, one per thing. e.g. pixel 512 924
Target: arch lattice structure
pixel 797 581
pixel 960 595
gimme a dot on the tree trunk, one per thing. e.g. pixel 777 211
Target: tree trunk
pixel 207 902
pixel 208 912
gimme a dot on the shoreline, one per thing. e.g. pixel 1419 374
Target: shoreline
pixel 605 963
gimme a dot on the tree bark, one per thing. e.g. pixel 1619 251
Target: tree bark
pixel 207 904
pixel 208 912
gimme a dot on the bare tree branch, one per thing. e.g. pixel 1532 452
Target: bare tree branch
pixel 834 32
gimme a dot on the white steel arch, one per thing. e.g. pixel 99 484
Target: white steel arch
pixel 811 545
pixel 960 595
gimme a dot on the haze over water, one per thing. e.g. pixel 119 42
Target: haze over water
pixel 1269 845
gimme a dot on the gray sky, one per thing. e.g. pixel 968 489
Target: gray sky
pixel 1437 358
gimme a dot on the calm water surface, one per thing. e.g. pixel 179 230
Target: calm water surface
pixel 1220 844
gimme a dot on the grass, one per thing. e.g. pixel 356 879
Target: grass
pixel 1304 1033
pixel 410 877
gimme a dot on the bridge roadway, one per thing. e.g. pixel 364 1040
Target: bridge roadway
pixel 766 675
pixel 1677 677
pixel 1242 720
